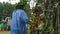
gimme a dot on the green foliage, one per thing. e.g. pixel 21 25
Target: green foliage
pixel 41 26
pixel 41 5
pixel 5 9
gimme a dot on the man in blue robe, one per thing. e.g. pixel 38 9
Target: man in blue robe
pixel 19 20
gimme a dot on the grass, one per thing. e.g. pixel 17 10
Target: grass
pixel 4 32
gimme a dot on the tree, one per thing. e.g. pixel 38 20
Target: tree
pixel 6 9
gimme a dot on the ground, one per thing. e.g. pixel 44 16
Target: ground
pixel 4 32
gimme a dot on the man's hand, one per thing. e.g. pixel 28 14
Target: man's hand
pixel 31 21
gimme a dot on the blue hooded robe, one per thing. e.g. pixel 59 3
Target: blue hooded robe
pixel 19 21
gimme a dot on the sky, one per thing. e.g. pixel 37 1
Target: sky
pixel 32 3
pixel 12 2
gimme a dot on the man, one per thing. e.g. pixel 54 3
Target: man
pixel 8 21
pixel 19 20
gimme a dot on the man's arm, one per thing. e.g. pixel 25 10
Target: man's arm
pixel 24 17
